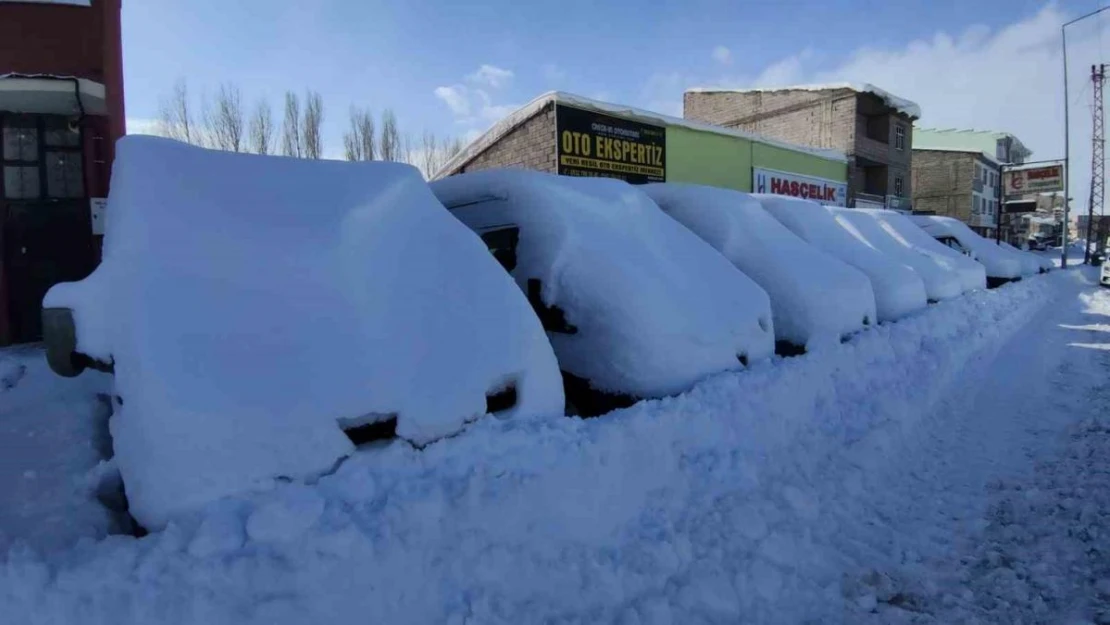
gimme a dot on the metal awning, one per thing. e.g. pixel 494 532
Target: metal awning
pixel 54 95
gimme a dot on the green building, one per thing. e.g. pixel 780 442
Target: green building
pixel 575 136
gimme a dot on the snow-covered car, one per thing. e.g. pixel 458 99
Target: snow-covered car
pixel 265 315
pixel 1000 265
pixel 634 304
pixel 972 274
pixel 1104 274
pixel 898 289
pixel 816 298
pixel 940 274
pixel 1030 263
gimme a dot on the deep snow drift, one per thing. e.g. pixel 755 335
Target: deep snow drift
pixel 898 289
pixel 815 489
pixel 655 308
pixel 939 278
pixel 815 298
pixel 317 295
pixel 972 274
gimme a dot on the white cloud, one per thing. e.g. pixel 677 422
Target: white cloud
pixel 1007 79
pixel 491 76
pixel 456 99
pixel 722 55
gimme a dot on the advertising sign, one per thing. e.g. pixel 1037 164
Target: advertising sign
pixel 598 145
pixel 831 192
pixel 1019 182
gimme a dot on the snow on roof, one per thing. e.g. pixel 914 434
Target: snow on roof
pixel 954 138
pixel 526 112
pixel 902 105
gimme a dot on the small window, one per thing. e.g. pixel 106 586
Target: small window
pixel 21 182
pixel 899 137
pixel 898 186
pixel 21 140
pixel 63 175
pixel 57 133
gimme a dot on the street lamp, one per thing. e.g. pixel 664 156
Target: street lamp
pixel 1067 138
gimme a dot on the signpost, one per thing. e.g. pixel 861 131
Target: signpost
pixel 594 144
pixel 822 190
pixel 1018 185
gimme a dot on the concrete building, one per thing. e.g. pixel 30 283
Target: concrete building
pixel 566 134
pixel 61 110
pixel 958 173
pixel 872 127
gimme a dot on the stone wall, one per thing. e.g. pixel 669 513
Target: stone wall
pixel 530 145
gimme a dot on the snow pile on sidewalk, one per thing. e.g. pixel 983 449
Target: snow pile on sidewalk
pixel 747 499
pixel 256 306
pixel 655 308
pixel 898 289
pixel 55 438
pixel 815 298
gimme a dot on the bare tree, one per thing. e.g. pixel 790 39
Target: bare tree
pixel 429 154
pixel 390 141
pixel 176 118
pixel 291 130
pixel 405 151
pixel 310 128
pixel 261 133
pixel 358 141
pixel 223 120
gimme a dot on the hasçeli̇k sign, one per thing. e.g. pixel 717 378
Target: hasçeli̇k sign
pixel 820 190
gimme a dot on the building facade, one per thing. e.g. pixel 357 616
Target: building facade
pixel 873 128
pixel 61 110
pixel 565 134
pixel 958 173
pixel 960 184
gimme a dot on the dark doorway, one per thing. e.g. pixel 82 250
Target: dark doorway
pixel 45 227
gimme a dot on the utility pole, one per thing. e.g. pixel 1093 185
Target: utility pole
pixel 1098 157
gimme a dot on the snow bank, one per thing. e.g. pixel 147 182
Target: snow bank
pixel 815 297
pixel 255 306
pixel 998 263
pixel 938 274
pixel 898 290
pixel 655 308
pixel 972 274
pixel 52 469
pixel 749 499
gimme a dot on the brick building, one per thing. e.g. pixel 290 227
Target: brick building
pixel 566 134
pixel 61 110
pixel 957 183
pixel 872 127
pixel 956 173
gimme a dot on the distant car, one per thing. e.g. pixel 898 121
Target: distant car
pixel 898 288
pixel 1001 266
pixel 816 298
pixel 635 305
pixel 1037 245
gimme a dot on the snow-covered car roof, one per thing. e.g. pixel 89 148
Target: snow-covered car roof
pixel 998 263
pixel 939 272
pixel 898 289
pixel 1030 263
pixel 972 274
pixel 654 308
pixel 255 307
pixel 815 297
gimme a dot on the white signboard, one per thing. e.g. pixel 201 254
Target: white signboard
pixel 1019 182
pixel 98 211
pixel 831 192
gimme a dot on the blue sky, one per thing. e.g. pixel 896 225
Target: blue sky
pixel 402 54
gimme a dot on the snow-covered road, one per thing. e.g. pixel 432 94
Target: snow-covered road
pixel 953 467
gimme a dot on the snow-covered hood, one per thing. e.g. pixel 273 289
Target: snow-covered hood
pixel 654 307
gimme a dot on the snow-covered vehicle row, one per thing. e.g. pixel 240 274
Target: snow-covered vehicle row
pixel 609 275
pixel 815 297
pixel 897 287
pixel 1001 266
pixel 264 316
